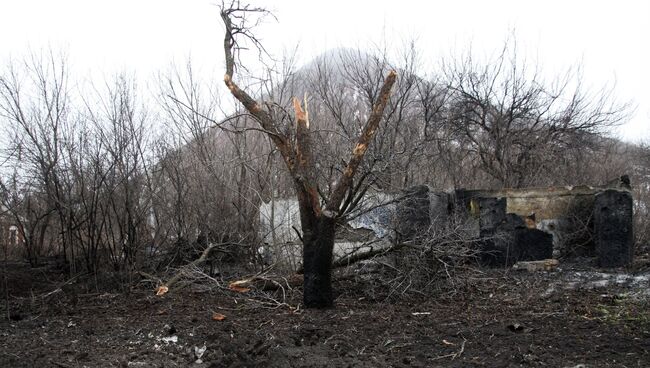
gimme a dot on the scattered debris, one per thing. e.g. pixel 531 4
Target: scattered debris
pixel 136 364
pixel 218 316
pixel 238 286
pixel 162 290
pixel 198 353
pixel 518 328
pixel 170 330
pixel 169 339
pixel 587 280
pixel 421 313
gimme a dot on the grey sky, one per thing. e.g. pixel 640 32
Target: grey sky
pixel 610 39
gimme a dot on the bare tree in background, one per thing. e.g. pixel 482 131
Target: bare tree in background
pixel 213 172
pixel 35 107
pixel 318 221
pixel 30 212
pixel 516 125
pixel 79 173
pixel 96 182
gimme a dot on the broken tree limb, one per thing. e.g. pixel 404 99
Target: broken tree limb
pixel 164 288
pixel 355 257
pixel 150 277
pixel 304 173
pixel 267 283
pixel 361 256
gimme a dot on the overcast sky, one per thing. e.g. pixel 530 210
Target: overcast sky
pixel 610 39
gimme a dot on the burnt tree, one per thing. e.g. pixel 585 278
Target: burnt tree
pixel 318 220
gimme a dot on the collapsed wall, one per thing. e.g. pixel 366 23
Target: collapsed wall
pixel 613 232
pixel 581 221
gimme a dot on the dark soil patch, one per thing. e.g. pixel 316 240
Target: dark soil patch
pixel 497 319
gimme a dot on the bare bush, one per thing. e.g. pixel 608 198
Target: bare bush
pixel 518 126
pixel 434 262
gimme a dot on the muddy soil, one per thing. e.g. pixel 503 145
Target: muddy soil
pixel 488 318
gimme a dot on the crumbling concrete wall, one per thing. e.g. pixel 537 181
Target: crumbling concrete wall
pixel 506 238
pixel 571 215
pixel 613 233
pixel 278 218
pixel 418 211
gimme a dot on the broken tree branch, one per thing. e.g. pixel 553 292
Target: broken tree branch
pixel 360 256
pixel 304 175
pixel 164 288
pixel 355 257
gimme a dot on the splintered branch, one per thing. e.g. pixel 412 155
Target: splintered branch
pixel 164 288
pixel 304 173
pixel 369 131
pixel 303 147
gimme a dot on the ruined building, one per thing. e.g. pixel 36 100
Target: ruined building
pixel 505 226
pixel 555 222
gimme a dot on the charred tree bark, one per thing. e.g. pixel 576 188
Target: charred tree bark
pixel 317 264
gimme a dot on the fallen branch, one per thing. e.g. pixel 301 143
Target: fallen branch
pixel 360 256
pixel 265 283
pixel 58 289
pixel 149 277
pixel 355 257
pixel 164 288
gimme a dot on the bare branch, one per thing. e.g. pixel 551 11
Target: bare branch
pixel 369 131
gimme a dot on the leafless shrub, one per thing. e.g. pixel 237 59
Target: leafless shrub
pixel 433 262
pixel 518 126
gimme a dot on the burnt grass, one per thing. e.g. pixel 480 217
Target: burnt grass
pixel 478 318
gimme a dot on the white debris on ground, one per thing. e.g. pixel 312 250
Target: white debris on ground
pixel 170 344
pixel 198 353
pixel 638 285
pixel 169 339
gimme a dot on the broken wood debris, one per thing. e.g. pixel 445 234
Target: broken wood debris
pixel 533 266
